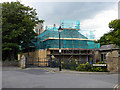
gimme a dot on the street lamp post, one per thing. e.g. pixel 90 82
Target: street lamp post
pixel 59 30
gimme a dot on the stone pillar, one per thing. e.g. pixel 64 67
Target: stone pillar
pixel 119 65
pixel 97 56
pixel 112 61
pixel 22 62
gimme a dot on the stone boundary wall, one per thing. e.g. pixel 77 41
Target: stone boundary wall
pixel 113 61
pixel 119 64
pixel 9 63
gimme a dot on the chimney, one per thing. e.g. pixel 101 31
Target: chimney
pixel 54 25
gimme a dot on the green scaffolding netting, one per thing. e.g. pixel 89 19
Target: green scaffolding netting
pixel 70 24
pixel 70 37
pixel 43 42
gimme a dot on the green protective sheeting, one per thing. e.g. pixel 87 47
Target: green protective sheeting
pixel 52 32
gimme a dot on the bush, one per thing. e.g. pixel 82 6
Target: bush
pixel 83 67
pixel 98 69
pixel 101 62
pixel 72 64
pixel 54 63
pixel 88 67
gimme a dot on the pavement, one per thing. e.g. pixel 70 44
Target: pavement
pixel 14 77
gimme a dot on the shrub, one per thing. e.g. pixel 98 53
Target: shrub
pixel 72 64
pixel 83 67
pixel 88 67
pixel 101 62
pixel 54 63
pixel 98 69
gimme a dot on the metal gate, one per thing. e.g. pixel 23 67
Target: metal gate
pixel 36 62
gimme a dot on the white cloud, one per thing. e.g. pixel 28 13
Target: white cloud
pixel 100 22
pixel 63 0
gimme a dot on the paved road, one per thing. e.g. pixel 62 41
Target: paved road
pixel 0 77
pixel 40 78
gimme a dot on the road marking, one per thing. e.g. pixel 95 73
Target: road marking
pixel 118 87
pixel 115 87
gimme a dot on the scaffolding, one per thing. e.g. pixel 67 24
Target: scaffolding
pixel 74 44
pixel 70 37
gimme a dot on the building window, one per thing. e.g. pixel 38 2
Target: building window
pixel 103 57
pixel 119 53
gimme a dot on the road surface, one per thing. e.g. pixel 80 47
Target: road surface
pixel 40 78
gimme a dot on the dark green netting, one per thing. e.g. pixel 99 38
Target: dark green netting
pixel 54 43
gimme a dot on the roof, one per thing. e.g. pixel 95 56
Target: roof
pixel 108 47
pixel 64 34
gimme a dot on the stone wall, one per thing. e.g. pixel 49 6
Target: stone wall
pixel 112 61
pixel 9 63
pixel 21 62
pixel 97 56
pixel 119 65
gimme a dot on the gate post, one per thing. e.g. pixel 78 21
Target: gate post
pixel 26 66
pixel 50 61
pixel 38 61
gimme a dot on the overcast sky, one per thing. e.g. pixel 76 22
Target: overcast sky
pixel 92 15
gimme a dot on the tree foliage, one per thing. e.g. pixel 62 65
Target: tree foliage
pixel 18 22
pixel 112 37
pixel 104 40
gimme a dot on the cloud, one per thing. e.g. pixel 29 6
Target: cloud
pixel 100 22
pixel 92 15
pixel 53 12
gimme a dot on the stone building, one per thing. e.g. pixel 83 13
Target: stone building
pixel 74 44
pixel 109 54
pixel 100 54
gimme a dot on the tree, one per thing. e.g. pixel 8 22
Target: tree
pixel 104 40
pixel 114 34
pixel 113 37
pixel 18 22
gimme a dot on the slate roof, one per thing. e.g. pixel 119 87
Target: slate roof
pixel 108 47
